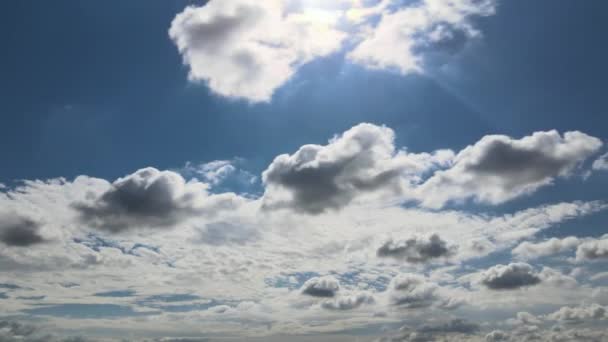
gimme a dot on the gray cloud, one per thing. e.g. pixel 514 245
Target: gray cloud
pixel 499 168
pixel 497 335
pixel 19 231
pixel 417 249
pixel 362 160
pixel 326 287
pixel 151 198
pixel 13 331
pixel 228 233
pixel 508 277
pixel 410 291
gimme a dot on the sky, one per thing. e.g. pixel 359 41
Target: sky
pixel 303 170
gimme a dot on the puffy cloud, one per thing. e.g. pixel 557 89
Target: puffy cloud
pixel 410 291
pixel 593 249
pixel 418 249
pixel 362 160
pixel 399 37
pixel 349 302
pixel 151 198
pixel 249 48
pixel 326 286
pixel 579 314
pixel 19 231
pixel 529 250
pixel 508 277
pixel 499 168
pixel 601 163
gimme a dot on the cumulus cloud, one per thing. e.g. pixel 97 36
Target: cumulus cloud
pixel 150 198
pixel 325 287
pixel 411 291
pixel 509 277
pixel 360 161
pixel 401 35
pixel 530 250
pixel 19 231
pixel 248 48
pixel 499 168
pixel 579 314
pixel 349 302
pixel 418 249
pixel 593 249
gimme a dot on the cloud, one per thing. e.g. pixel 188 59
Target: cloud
pixel 324 287
pixel 497 335
pixel 400 37
pixel 19 231
pixel 417 249
pixel 411 291
pixel 226 233
pixel 151 198
pixel 601 163
pixel 593 249
pixel 499 168
pixel 362 160
pixel 349 302
pixel 579 314
pixel 509 277
pixel 13 331
pixel 529 250
pixel 248 48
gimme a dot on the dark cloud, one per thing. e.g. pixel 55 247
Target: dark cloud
pixel 509 277
pixel 325 287
pixel 454 326
pixel 319 178
pixel 19 231
pixel 499 168
pixel 151 198
pixel 417 249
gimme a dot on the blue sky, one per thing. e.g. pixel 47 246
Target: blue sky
pixel 455 144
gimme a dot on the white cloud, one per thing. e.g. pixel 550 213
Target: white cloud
pixel 247 49
pixel 530 250
pixel 499 168
pixel 578 314
pixel 601 163
pixel 396 41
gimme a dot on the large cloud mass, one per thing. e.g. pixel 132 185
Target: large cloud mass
pixel 247 48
